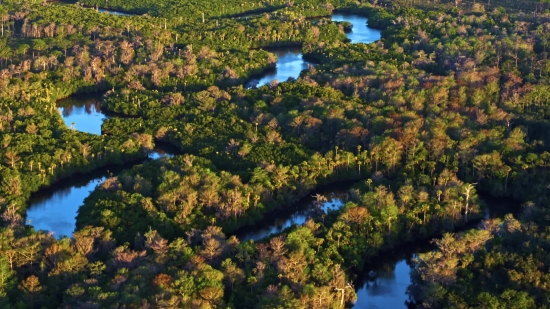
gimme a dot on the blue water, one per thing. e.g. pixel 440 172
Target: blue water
pixel 290 60
pixel 360 32
pixel 83 113
pixel 297 215
pixel 113 12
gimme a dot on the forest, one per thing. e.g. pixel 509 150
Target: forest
pixel 430 126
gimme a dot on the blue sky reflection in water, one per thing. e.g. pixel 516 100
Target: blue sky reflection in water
pixel 56 211
pixel 291 63
pixel 388 290
pixel 386 277
pixel 113 12
pixel 293 216
pixel 84 112
pixel 360 32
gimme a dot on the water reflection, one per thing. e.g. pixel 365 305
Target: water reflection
pixel 113 12
pixel 163 150
pixel 297 215
pixel 360 32
pixel 385 280
pixel 82 112
pixel 290 60
pixel 290 64
pixel 54 209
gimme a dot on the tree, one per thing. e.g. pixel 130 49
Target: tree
pixel 232 274
pixel 12 158
pixel 38 45
pixel 212 248
pixel 389 213
pixel 467 190
pixel 85 150
pixel 31 288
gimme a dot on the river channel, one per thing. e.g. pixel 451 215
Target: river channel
pixel 55 209
pixel 290 61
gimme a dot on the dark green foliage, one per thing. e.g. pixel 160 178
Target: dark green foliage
pixel 452 100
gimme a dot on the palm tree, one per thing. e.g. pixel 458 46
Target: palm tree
pixel 85 149
pixel 12 158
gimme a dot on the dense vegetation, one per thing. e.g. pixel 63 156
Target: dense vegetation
pixel 452 100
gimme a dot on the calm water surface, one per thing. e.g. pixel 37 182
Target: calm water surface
pixel 82 112
pixel 113 12
pixel 290 63
pixel 384 282
pixel 55 209
pixel 391 270
pixel 296 214
pixel 290 60
pixel 360 32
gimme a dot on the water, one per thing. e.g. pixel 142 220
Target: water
pixel 290 60
pixel 163 150
pixel 83 113
pixel 296 214
pixel 108 11
pixel 385 279
pixel 247 15
pixel 290 63
pixel 54 209
pixel 360 32
pixel 113 12
pixel 388 287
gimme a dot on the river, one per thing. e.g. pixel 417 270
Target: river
pixel 55 209
pixel 100 10
pixel 82 113
pixel 291 62
pixel 360 32
pixel 330 199
pixel 385 279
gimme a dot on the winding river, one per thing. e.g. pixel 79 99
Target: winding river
pixel 298 214
pixel 55 209
pixel 291 62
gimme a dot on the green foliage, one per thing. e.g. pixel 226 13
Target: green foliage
pixel 449 102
